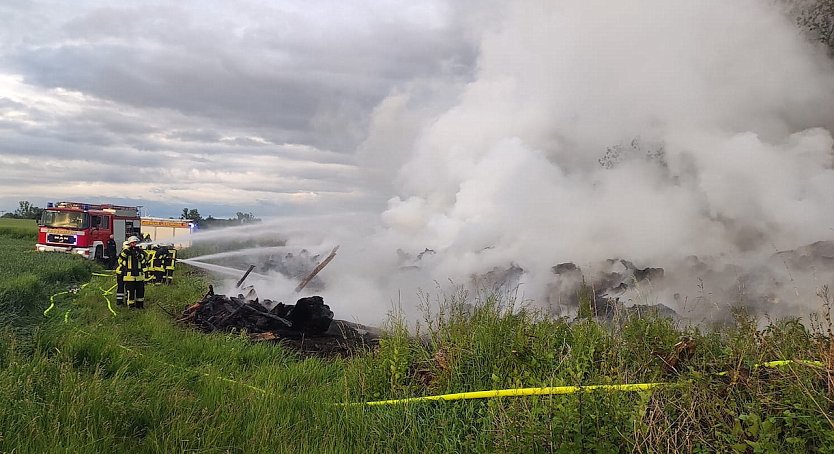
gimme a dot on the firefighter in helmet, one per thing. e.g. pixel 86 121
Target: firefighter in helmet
pixel 132 266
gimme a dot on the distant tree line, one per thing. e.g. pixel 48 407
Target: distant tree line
pixel 193 215
pixel 25 211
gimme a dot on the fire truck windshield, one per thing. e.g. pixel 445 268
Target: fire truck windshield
pixel 65 219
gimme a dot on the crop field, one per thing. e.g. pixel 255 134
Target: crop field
pixel 83 379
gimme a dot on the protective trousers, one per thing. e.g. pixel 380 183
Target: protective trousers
pixel 135 292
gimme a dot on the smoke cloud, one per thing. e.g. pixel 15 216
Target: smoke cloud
pixel 654 131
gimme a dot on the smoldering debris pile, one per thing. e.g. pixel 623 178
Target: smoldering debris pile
pixel 615 278
pixel 306 326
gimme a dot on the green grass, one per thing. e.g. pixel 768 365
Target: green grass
pixel 89 381
pixel 18 228
pixel 28 277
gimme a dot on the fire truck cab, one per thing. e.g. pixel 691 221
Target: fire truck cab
pixel 84 228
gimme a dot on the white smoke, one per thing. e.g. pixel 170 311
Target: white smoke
pixel 649 130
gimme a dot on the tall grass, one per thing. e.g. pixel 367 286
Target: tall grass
pixel 28 278
pixel 18 228
pixel 137 382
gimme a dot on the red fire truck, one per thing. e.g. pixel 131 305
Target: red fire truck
pixel 84 228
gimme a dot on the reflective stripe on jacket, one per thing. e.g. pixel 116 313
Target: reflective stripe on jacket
pixel 171 259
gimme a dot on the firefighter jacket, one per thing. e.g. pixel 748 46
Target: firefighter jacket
pixel 159 258
pixel 132 264
pixel 151 258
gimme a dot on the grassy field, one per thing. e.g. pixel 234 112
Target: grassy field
pixel 85 380
pixel 18 228
pixel 28 278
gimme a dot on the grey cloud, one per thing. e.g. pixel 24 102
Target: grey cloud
pixel 261 97
pixel 194 135
pixel 265 78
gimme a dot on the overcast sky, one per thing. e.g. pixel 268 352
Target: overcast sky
pixel 249 105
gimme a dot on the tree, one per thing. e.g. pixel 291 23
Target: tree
pixel 246 218
pixel 194 215
pixel 191 214
pixel 28 211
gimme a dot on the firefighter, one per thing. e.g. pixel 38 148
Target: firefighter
pixel 158 264
pixel 111 253
pixel 132 266
pixel 170 260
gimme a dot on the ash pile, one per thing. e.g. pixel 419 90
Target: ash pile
pixel 307 326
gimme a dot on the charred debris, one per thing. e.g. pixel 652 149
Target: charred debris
pixel 308 326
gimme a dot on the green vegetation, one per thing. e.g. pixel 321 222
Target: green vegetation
pixel 89 381
pixel 27 277
pixel 18 228
pixel 25 211
pixel 210 221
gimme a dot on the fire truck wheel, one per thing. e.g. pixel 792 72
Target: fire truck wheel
pixel 99 253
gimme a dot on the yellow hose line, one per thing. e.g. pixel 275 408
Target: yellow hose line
pixel 52 302
pixel 104 294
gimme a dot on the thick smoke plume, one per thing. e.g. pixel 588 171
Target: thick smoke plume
pixel 693 136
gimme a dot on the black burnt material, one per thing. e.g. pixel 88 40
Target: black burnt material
pixel 306 326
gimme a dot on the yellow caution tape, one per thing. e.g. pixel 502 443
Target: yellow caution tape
pixel 494 393
pixel 445 397
pixel 781 363
pixel 786 362
pixel 515 392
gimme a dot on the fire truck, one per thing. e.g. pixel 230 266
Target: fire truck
pixel 85 228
